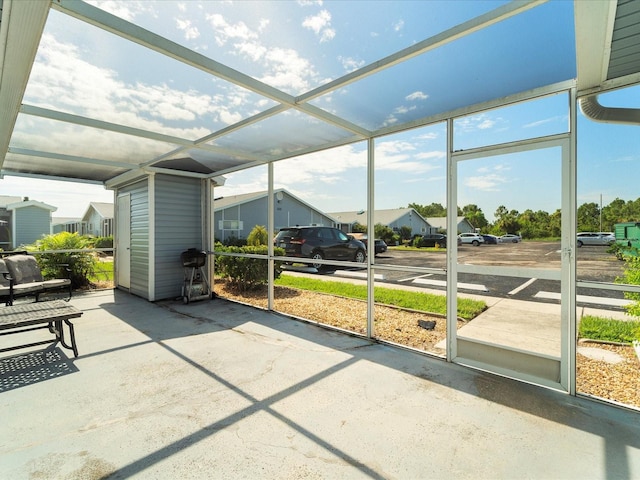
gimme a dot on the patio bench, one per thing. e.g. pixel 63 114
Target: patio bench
pixel 20 276
pixel 53 315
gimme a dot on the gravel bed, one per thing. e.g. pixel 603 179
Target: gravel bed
pixel 618 382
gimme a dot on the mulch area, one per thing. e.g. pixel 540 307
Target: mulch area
pixel 619 382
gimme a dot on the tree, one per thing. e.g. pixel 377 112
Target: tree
pixel 385 233
pixel 405 232
pixel 433 210
pixel 475 216
pixel 535 224
pixel 506 221
pixel 588 217
pixel 258 236
pixel 358 228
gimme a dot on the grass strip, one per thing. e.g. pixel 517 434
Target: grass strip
pixel 102 272
pixel 425 302
pixel 609 329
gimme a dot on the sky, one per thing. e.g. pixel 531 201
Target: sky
pixel 83 70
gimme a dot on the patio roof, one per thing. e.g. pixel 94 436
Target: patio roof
pixel 97 96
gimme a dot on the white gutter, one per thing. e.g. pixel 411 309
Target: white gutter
pixel 592 109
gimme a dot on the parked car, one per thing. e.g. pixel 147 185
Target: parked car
pixel 380 246
pixel 510 238
pixel 471 238
pixel 593 238
pixel 320 243
pixel 490 239
pixel 431 240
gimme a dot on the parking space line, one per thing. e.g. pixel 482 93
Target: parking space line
pixel 443 283
pixel 411 279
pixel 349 273
pixel 614 302
pixel 522 287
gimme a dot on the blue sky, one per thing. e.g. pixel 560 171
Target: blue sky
pixel 86 71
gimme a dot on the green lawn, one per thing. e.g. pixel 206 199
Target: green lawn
pixel 103 272
pixel 425 302
pixel 609 329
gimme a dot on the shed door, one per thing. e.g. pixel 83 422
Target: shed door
pixel 123 240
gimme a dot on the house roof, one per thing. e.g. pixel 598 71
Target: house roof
pixel 441 222
pixel 31 203
pixel 593 45
pixel 64 220
pixel 223 203
pixel 7 200
pixel 104 209
pixel 385 217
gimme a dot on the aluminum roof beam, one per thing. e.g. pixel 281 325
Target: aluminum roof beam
pixel 20 31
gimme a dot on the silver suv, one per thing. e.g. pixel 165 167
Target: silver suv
pixel 595 238
pixel 471 238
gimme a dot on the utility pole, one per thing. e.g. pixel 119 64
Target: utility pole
pixel 600 212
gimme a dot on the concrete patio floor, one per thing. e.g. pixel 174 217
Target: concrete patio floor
pixel 215 389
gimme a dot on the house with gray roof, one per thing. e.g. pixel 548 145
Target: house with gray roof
pixel 236 215
pixel 394 218
pixel 23 221
pixel 440 223
pixel 98 219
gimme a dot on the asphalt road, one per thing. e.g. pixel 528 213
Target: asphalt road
pixel 593 264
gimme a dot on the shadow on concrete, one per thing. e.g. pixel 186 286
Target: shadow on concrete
pixel 33 367
pixel 618 428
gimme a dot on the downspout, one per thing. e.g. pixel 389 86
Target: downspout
pixel 592 109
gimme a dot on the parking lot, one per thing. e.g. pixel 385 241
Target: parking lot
pixel 593 264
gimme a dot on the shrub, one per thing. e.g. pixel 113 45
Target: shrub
pixel 235 242
pixel 81 264
pixel 631 276
pixel 242 272
pixel 258 236
pixel 103 242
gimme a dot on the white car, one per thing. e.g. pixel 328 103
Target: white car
pixel 510 238
pixel 595 238
pixel 471 238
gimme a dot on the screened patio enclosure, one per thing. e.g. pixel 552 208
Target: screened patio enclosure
pixel 115 93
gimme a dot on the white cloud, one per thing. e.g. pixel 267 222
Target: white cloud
pixel 252 50
pixel 320 24
pixel 62 79
pixel 557 118
pixel 286 68
pixel 434 155
pixel 399 25
pixel 224 31
pixel 350 64
pixel 416 96
pixel 125 10
pixel 400 156
pixel 477 122
pixel 488 183
pixel 263 24
pixel 190 32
